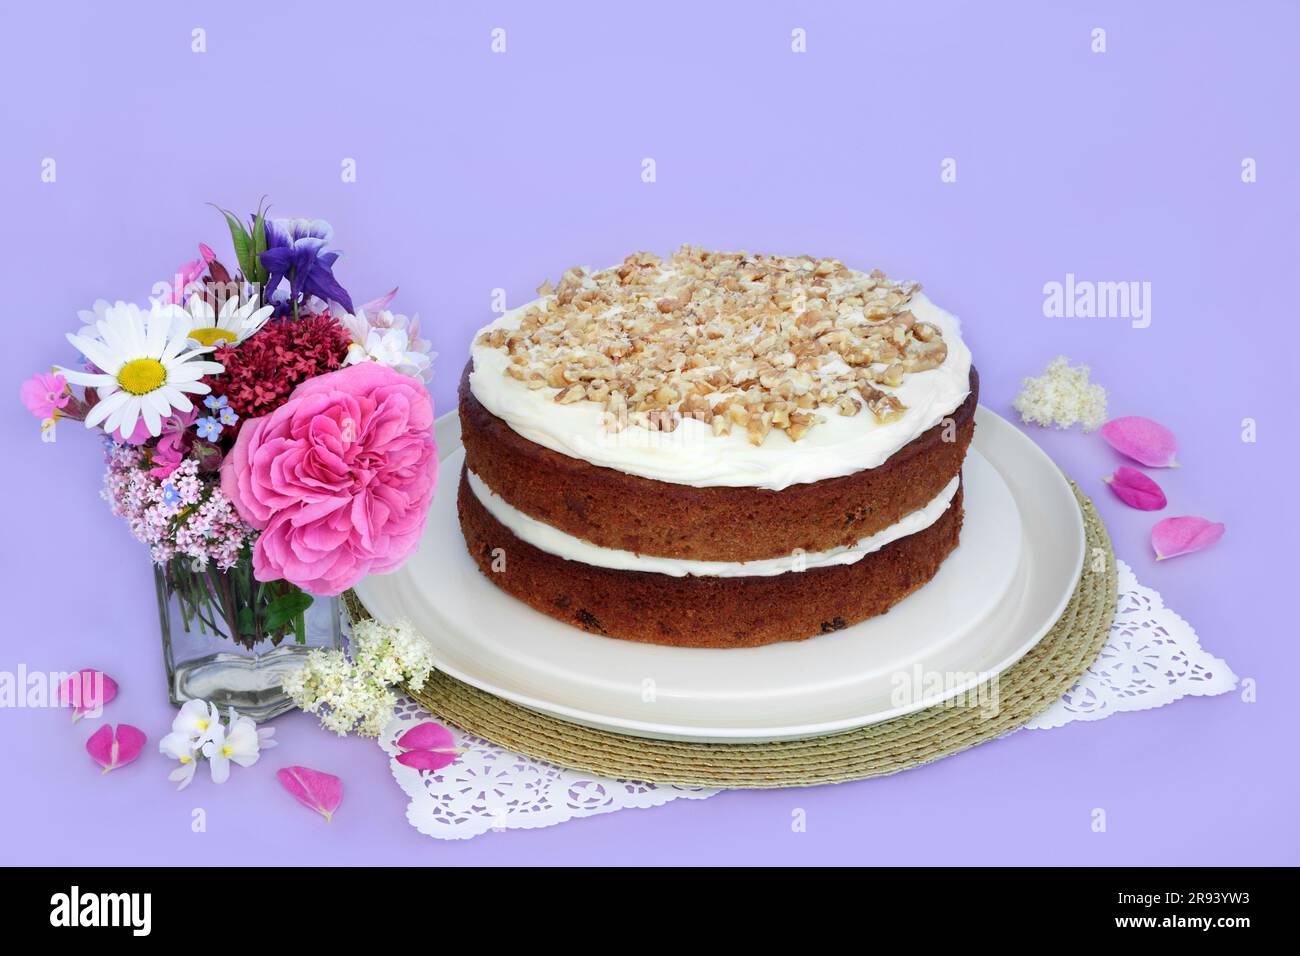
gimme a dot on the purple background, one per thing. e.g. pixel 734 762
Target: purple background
pixel 478 171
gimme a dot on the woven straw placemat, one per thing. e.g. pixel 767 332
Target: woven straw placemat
pixel 1030 686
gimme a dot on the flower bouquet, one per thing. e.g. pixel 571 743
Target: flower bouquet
pixel 268 440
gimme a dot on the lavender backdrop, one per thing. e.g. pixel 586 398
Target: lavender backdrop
pixel 478 171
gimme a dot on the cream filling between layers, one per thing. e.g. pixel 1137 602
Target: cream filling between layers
pixel 693 455
pixel 553 541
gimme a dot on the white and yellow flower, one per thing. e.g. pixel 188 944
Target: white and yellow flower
pixel 145 364
pixel 240 742
pixel 231 326
pixel 197 720
pixel 198 734
pixel 180 746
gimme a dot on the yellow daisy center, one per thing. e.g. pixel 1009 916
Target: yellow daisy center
pixel 211 335
pixel 142 376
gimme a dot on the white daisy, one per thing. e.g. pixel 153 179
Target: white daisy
pixel 145 364
pixel 232 325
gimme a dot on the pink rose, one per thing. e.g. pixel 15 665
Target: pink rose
pixel 338 479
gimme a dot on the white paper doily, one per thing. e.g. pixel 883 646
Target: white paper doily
pixel 489 788
pixel 1152 658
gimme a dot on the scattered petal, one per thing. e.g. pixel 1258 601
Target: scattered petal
pixel 1136 489
pixel 425 760
pixel 322 792
pixel 428 736
pixel 428 747
pixel 86 692
pixel 1142 440
pixel 112 747
pixel 1175 536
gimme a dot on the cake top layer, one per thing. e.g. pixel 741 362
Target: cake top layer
pixel 729 339
pixel 715 368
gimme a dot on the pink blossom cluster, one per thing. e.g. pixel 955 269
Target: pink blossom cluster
pixel 184 514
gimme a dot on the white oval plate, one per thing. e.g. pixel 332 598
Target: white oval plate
pixel 1021 551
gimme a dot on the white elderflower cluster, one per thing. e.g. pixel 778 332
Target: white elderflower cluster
pixel 354 695
pixel 395 653
pixel 1062 396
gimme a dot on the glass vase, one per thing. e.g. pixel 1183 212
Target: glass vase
pixel 232 639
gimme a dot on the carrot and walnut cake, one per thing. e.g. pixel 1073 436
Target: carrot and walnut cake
pixel 716 449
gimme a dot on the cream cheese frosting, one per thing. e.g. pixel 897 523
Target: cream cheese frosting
pixel 693 455
pixel 553 541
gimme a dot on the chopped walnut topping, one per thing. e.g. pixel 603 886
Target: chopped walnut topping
pixel 733 340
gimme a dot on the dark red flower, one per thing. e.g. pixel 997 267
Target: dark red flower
pixel 263 371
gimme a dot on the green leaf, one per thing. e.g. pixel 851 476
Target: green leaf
pixel 259 274
pixel 285 608
pixel 242 241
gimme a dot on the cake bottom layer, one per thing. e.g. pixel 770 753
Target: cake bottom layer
pixel 705 611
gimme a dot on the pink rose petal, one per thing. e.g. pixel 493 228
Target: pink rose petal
pixel 113 747
pixel 427 760
pixel 1136 489
pixel 323 792
pixel 427 736
pixel 428 747
pixel 86 691
pixel 1142 440
pixel 1175 536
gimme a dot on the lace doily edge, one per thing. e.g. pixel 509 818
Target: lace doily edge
pixel 654 798
pixel 464 832
pixel 1225 681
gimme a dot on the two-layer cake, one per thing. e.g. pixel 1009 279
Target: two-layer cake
pixel 717 449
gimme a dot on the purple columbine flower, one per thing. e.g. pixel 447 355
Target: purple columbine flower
pixel 294 250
